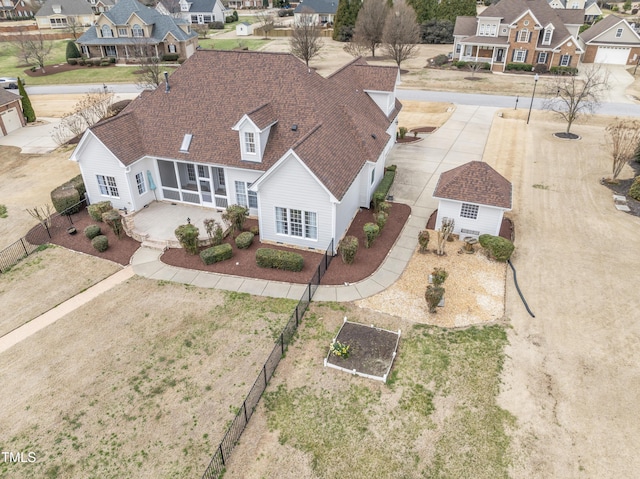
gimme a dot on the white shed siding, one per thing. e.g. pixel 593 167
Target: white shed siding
pixel 385 100
pixel 348 207
pixel 487 222
pixel 103 162
pixel 142 166
pixel 292 186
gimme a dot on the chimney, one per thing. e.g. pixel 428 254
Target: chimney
pixel 166 82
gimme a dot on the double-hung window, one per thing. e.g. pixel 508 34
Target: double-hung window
pixel 249 142
pixel 140 183
pixel 469 211
pixel 244 197
pixel 542 57
pixel 565 60
pixel 618 32
pixel 523 37
pixel 293 222
pixel 519 56
pixel 107 185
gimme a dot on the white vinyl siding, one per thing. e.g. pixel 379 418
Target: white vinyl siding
pixel 488 219
pixel 294 222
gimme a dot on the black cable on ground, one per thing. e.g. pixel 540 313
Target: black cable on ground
pixel 515 280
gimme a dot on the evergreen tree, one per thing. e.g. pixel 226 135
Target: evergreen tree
pixel 450 9
pixel 425 9
pixel 72 50
pixel 27 109
pixel 345 19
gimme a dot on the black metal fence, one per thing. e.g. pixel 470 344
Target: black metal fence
pixel 37 236
pixel 217 466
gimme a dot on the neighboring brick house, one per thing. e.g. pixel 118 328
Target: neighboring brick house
pixel 520 31
pixel 11 116
pixel 475 196
pixel 16 9
pixel 60 13
pixel 590 7
pixel 303 152
pixel 612 40
pixel 131 29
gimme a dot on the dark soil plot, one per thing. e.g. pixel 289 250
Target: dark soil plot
pixel 371 350
pixel 423 129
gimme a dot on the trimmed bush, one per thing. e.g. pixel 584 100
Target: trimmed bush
pixel 371 232
pixel 440 60
pixel 384 207
pixel 170 57
pixel 571 71
pixel 96 62
pixel 216 25
pixel 277 259
pixel 634 190
pixel 188 237
pixel 114 220
pixel 460 64
pixel 72 51
pixel 100 243
pixel 105 63
pixel 433 295
pixel 519 67
pixel 235 216
pixel 541 68
pixel 95 210
pixel 228 19
pixel 92 231
pixel 244 240
pixel 348 247
pixel 402 132
pixel 64 197
pixel 498 247
pixel 255 230
pixel 72 61
pixel 381 218
pixel 217 253
pixel 78 184
pixel 423 240
pixel 383 188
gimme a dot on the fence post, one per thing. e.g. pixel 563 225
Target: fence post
pixel 264 370
pixel 297 316
pixel 282 342
pixel 309 290
pixel 246 419
pixel 24 247
pixel 221 454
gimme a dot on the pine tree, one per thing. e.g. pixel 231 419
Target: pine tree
pixel 345 19
pixel 27 109
pixel 450 9
pixel 72 50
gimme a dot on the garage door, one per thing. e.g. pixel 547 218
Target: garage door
pixel 613 55
pixel 10 119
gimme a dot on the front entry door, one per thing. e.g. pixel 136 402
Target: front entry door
pixel 500 55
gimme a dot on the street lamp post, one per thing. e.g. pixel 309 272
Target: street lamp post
pixel 535 83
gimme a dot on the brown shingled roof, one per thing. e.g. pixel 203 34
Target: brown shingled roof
pixel 602 26
pixel 276 87
pixel 7 97
pixel 475 182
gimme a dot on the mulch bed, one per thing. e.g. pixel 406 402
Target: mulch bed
pixel 423 129
pixel 370 349
pixel 243 262
pixel 408 139
pixel 622 188
pixel 59 68
pixel 563 135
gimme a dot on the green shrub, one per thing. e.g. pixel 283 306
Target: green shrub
pixel 571 71
pixel 498 247
pixel 65 199
pixel 541 68
pixel 214 231
pixel 371 232
pixel 105 63
pixel 96 62
pixel 255 230
pixel 81 61
pixel 634 190
pixel 188 237
pixel 215 254
pixel 72 51
pixel 114 220
pixel 100 243
pixel 228 19
pixel 72 61
pixel 384 207
pixel 235 216
pixel 216 26
pixel 92 231
pixel 244 240
pixel 439 276
pixel 402 132
pixel 519 67
pixel 78 184
pixel 391 168
pixel 423 240
pixel 383 188
pixel 170 57
pixel 381 218
pixel 348 247
pixel 235 16
pixel 27 108
pixel 273 258
pixel 433 295
pixel 112 59
pixel 95 210
pixel 440 60
pixel 460 64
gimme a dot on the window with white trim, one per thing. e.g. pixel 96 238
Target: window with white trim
pixel 618 32
pixel 107 185
pixel 58 22
pixel 106 31
pixel 302 224
pixel 494 30
pixel 481 30
pixel 140 183
pixel 373 175
pixel 172 48
pixel 546 40
pixel 542 57
pixel 565 60
pixel 519 56
pixel 137 31
pixel 575 5
pixel 458 48
pixel 523 36
pixel 123 32
pixel 469 211
pixel 244 197
pixel 191 173
pixel 249 142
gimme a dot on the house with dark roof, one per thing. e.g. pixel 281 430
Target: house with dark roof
pixel 590 7
pixel 16 9
pixel 611 40
pixel 301 151
pixel 323 12
pixel 195 11
pixel 520 31
pixel 60 13
pixel 130 30
pixel 11 116
pixel 475 196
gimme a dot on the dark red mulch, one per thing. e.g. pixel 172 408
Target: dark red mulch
pixel 622 188
pixel 370 349
pixel 423 129
pixel 366 262
pixel 59 68
pixel 119 251
pixel 408 139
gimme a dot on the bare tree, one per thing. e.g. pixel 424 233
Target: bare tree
pixel 267 21
pixel 150 64
pixel 92 108
pixel 623 138
pixel 22 48
pixel 475 67
pixel 201 30
pixel 39 48
pixel 370 24
pixel 355 48
pixel 446 228
pixel 305 40
pixel 571 96
pixel 401 32
pixel 74 27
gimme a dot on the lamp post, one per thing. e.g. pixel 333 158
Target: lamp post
pixel 535 83
pixel 516 107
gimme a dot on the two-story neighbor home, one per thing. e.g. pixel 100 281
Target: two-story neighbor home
pixel 123 30
pixel 301 151
pixel 196 11
pixel 60 13
pixel 590 7
pixel 520 31
pixel 16 9
pixel 612 40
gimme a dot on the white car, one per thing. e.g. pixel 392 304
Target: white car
pixel 7 82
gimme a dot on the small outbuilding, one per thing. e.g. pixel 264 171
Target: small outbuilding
pixel 11 117
pixel 475 196
pixel 244 29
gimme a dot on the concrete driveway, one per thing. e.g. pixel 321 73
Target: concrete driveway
pixel 619 80
pixel 33 138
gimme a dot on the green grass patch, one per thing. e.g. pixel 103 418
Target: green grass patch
pixel 230 43
pixel 541 186
pixel 3 211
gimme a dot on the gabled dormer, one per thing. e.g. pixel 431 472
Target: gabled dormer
pixel 547 34
pixel 253 130
pixel 185 6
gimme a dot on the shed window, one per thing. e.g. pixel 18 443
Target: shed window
pixel 469 211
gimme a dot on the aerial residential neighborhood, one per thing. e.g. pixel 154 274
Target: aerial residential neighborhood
pixel 272 239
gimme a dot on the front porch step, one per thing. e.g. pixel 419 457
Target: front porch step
pixel 155 244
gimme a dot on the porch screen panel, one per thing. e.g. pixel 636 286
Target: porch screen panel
pixel 167 174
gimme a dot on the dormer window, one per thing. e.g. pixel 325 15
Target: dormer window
pixel 546 40
pixel 249 142
pixel 56 8
pixel 106 32
pixel 137 31
pixel 523 36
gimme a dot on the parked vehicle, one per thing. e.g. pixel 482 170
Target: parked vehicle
pixel 7 82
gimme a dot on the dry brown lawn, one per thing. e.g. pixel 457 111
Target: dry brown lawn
pixel 415 114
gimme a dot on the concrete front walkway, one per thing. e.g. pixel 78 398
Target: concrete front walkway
pixel 420 164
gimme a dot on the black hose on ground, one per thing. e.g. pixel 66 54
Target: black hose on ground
pixel 515 280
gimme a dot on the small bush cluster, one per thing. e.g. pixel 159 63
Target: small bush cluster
pixel 439 276
pixel 571 71
pixel 498 247
pixel 255 230
pixel 433 295
pixel 244 240
pixel 348 247
pixel 381 218
pixel 214 231
pixel 170 57
pixel 217 253
pixel 634 190
pixel 78 184
pixel 339 349
pixel 64 197
pixel 541 68
pixel 519 67
pixel 95 210
pixel 273 258
pixel 92 231
pixel 440 60
pixel 216 25
pixel 380 195
pixel 100 243
pixel 188 237
pixel 371 232
pixel 460 64
pixel 114 220
pixel 285 12
pixel 402 132
pixel 235 216
pixel 423 240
